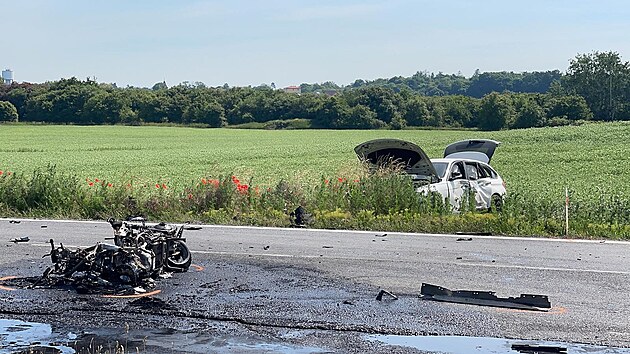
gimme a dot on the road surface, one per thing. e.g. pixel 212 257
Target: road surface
pixel 314 290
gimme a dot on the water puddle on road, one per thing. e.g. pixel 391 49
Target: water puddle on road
pixel 39 338
pixel 484 345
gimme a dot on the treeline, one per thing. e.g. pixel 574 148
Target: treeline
pixel 431 84
pixel 596 86
pixel 88 102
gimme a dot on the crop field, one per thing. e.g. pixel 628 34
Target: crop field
pixel 590 160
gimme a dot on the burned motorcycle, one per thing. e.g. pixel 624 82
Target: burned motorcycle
pixel 164 241
pixel 139 255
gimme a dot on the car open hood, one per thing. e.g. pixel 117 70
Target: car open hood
pixel 474 149
pixel 383 151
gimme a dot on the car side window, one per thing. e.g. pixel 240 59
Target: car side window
pixel 483 171
pixel 457 171
pixel 488 171
pixel 471 171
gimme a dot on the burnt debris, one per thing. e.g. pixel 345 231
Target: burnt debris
pixel 485 298
pixel 21 239
pixel 140 254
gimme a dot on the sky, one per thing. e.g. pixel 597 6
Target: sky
pixel 289 42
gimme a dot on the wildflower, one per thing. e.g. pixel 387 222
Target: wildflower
pixel 341 179
pixel 164 186
pixel 190 196
pixel 214 182
pixel 157 185
pixel 110 185
pixel 236 180
pixel 326 181
pixel 356 181
pixel 1 173
pixel 91 184
pixel 96 180
pixel 204 181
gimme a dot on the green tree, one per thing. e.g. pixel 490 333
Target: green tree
pixel 528 114
pixel 603 79
pixel 8 112
pixel 496 112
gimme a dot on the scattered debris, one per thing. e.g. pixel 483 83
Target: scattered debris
pixel 192 228
pixel 459 258
pixel 140 254
pixel 21 239
pixel 383 235
pixel 379 297
pixel 538 349
pixel 14 221
pixel 266 248
pixel 464 239
pixel 44 226
pixel 485 298
pixel 348 302
pixel 299 217
pixel 327 246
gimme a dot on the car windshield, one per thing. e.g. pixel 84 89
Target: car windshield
pixel 440 168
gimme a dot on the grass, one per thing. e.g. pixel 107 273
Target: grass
pixel 537 165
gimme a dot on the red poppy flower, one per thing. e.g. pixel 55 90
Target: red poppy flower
pixel 1 173
pixel 91 184
pixel 204 181
pixel 190 196
pixel 157 185
pixel 96 180
pixel 164 186
pixel 110 185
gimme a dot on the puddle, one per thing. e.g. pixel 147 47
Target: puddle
pixel 467 345
pixel 20 336
pixel 39 338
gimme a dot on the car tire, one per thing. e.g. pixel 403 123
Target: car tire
pixel 496 203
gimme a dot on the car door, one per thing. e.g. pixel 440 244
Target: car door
pixel 479 184
pixel 458 184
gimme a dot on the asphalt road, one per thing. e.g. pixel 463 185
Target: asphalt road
pixel 314 290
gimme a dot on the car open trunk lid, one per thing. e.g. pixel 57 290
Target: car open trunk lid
pixel 474 149
pixel 386 151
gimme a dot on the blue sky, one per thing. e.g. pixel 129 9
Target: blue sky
pixel 251 42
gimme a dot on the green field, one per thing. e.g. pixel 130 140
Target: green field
pixel 537 164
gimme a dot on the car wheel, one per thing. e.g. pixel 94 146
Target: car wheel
pixel 496 203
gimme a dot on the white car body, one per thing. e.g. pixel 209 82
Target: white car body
pixel 465 168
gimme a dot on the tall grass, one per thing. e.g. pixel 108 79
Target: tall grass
pixel 385 200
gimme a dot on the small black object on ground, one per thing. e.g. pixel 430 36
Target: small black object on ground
pixel 538 349
pixel 300 217
pixel 21 239
pixel 464 239
pixel 379 297
pixel 485 298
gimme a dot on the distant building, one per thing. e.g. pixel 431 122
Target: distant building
pixel 293 89
pixel 7 76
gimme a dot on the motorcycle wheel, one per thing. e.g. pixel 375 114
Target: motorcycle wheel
pixel 178 256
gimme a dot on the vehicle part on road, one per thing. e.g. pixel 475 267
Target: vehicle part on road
pixel 464 239
pixel 485 298
pixel 538 349
pixel 192 228
pixel 379 297
pixel 299 217
pixel 14 221
pixel 21 239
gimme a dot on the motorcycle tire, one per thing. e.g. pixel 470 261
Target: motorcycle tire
pixel 178 257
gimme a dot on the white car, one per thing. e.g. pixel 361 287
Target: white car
pixel 465 168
